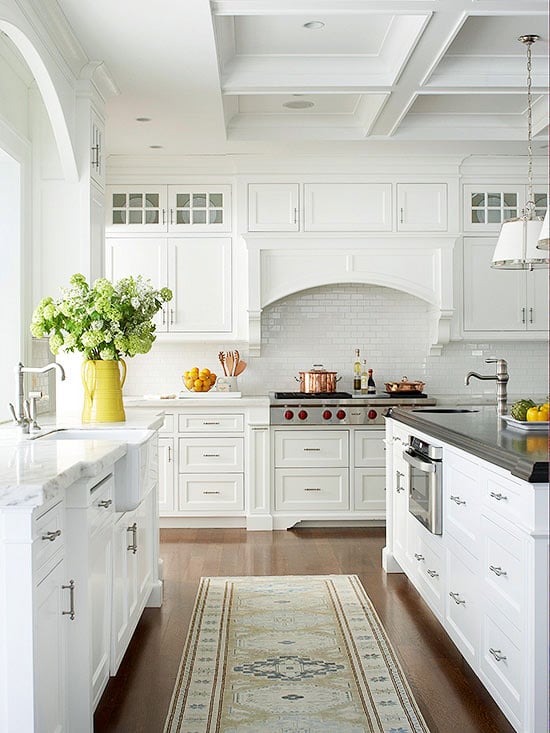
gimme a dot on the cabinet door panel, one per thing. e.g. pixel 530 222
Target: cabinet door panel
pixel 311 489
pixel 146 257
pixel 273 207
pixel 166 475
pixel 370 449
pixel 422 207
pixel 370 490
pixel 311 448
pixel 199 208
pixel 351 207
pixel 50 652
pixel 494 300
pixel 200 277
pixel 211 493
pixel 537 300
pixel 462 607
pixel 100 581
pixel 136 209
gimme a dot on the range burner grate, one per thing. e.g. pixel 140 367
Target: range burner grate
pixel 311 395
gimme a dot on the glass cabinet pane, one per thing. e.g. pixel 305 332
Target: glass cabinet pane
pixel 135 200
pixel 478 199
pixel 198 200
pixel 215 216
pixel 183 200
pixel 152 216
pixel 511 199
pixel 216 199
pixel 199 216
pixel 183 216
pixel 152 200
pixel 134 217
pixel 119 200
pixel 119 217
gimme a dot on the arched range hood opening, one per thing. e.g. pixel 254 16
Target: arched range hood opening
pixel 420 267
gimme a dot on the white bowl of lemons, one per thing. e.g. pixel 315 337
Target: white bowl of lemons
pixel 199 380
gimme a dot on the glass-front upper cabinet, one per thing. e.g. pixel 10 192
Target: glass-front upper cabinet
pixel 487 207
pixel 168 209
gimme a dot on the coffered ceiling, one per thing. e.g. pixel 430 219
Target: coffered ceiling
pixel 238 74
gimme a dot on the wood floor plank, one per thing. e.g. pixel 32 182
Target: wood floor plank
pixel 450 696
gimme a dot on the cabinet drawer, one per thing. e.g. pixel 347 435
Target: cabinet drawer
pixel 168 425
pixel 461 502
pixel 210 423
pixel 311 448
pixel 49 534
pixel 101 507
pixel 199 492
pixel 311 490
pixel 370 449
pixel 503 497
pixel 207 455
pixel 503 569
pixel 370 490
pixel 431 571
pixel 501 664
pixel 462 606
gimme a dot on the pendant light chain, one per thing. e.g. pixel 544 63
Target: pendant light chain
pixel 530 197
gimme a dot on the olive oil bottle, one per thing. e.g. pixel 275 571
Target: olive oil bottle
pixel 357 372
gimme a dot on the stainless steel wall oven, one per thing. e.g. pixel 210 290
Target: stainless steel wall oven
pixel 425 482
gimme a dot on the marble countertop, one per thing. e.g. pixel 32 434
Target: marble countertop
pixel 482 433
pixel 211 399
pixel 34 471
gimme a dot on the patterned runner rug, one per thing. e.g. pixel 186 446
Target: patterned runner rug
pixel 289 654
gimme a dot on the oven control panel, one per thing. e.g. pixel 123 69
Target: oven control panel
pixel 326 415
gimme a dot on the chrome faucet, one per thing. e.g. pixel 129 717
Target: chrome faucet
pixel 501 378
pixel 23 416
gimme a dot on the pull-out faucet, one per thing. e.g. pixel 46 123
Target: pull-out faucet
pixel 23 417
pixel 501 378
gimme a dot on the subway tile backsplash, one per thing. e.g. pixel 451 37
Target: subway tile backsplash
pixel 325 325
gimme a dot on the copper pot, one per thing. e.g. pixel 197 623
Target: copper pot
pixel 318 380
pixel 404 386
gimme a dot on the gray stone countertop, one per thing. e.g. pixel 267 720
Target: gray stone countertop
pixel 482 433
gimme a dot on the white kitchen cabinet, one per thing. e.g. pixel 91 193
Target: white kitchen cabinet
pixel 497 301
pixel 273 207
pixel 421 207
pixel 369 488
pixel 347 207
pixel 486 207
pixel 197 270
pixel 311 489
pixel 298 449
pixel 132 574
pixel 166 475
pixel 204 492
pixel 97 151
pixel 174 208
pixel 34 620
pixel 485 578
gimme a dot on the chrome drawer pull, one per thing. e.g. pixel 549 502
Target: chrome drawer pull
pixel 419 557
pixel 71 612
pixel 457 500
pixel 497 571
pixel 396 439
pixel 432 573
pixel 498 497
pixel 133 529
pixel 210 422
pixel 210 455
pixel 51 536
pixel 398 477
pixel 497 654
pixel 106 503
pixel 312 489
pixel 210 492
pixel 312 449
pixel 457 599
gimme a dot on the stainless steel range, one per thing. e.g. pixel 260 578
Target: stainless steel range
pixel 337 408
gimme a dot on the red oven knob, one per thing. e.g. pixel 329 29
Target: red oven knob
pixel 302 414
pixel 340 414
pixel 327 414
pixel 372 414
pixel 289 414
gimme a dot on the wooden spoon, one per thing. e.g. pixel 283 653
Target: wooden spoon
pixel 239 369
pixel 221 357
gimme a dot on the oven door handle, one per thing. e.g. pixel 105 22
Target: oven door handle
pixel 422 465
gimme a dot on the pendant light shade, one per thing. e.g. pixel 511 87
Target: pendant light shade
pixel 518 246
pixel 544 236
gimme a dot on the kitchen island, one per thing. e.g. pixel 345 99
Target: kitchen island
pixel 76 570
pixel 485 575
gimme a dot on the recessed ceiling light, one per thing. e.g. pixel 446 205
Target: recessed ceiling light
pixel 314 25
pixel 298 104
pixel 156 147
pixel 143 119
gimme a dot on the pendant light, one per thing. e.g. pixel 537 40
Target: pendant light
pixel 516 248
pixel 544 236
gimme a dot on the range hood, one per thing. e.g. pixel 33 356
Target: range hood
pixel 423 267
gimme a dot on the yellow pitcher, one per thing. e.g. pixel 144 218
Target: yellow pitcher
pixel 103 382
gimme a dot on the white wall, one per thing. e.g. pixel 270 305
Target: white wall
pixel 325 325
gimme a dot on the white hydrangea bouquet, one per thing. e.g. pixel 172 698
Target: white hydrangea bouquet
pixel 105 321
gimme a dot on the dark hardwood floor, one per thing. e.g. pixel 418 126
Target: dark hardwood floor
pixel 450 696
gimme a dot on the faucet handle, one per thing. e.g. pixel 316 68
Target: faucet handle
pixel 501 363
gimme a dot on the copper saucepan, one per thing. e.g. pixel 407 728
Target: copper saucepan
pixel 404 386
pixel 318 379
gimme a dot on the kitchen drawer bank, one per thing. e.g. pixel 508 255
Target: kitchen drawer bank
pixel 486 577
pixel 214 462
pixel 58 622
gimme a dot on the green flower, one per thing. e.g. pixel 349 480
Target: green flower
pixel 104 321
